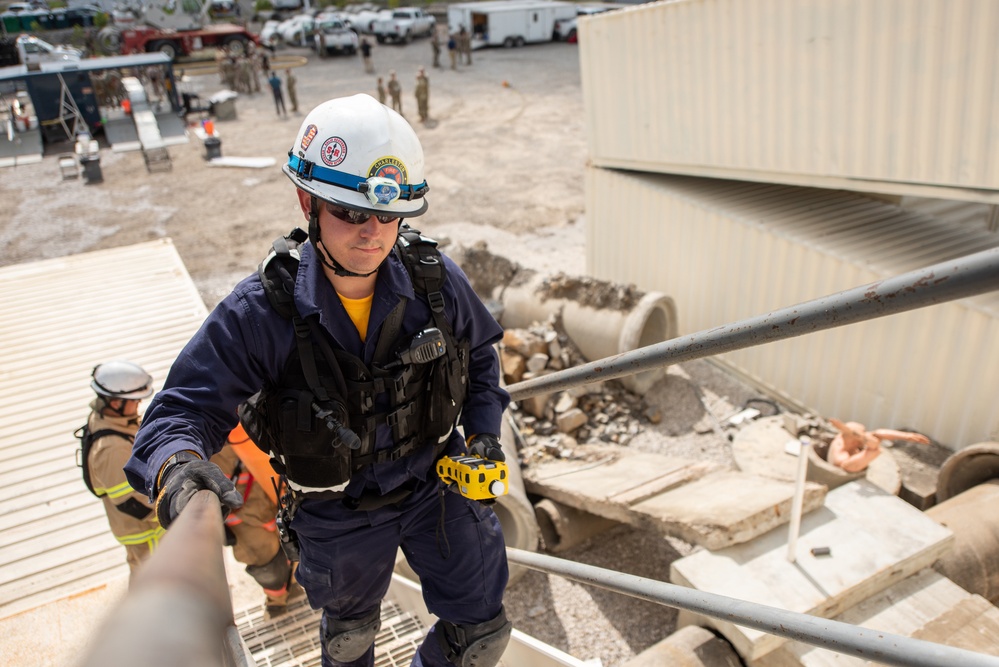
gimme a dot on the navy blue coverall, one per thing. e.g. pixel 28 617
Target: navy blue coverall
pixel 347 556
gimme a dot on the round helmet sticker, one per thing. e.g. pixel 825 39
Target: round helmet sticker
pixel 334 151
pixel 389 167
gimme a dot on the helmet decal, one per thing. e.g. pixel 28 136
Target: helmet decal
pixel 334 151
pixel 389 167
pixel 310 134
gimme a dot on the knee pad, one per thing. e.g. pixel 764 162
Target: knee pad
pixel 273 575
pixel 346 641
pixel 475 645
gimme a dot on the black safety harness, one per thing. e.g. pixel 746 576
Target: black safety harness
pixel 319 420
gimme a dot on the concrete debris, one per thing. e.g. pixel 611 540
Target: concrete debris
pixel 561 424
pixel 591 292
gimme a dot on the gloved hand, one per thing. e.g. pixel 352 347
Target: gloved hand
pixel 486 446
pixel 180 481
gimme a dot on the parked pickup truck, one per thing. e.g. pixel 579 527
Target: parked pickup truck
pixel 334 36
pixel 404 24
pixel 31 52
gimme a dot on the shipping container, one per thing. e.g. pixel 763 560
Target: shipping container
pixel 893 96
pixel 727 250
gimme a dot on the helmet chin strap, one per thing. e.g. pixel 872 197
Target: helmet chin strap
pixel 324 254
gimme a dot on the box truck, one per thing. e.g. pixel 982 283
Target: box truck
pixel 509 23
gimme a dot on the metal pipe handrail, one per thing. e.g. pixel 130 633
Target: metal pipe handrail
pixel 962 277
pixel 869 644
pixel 178 607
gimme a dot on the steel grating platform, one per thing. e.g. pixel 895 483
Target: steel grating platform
pixel 292 639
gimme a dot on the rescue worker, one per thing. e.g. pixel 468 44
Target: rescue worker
pixel 251 530
pixel 330 350
pixel 395 92
pixel 422 93
pixel 114 420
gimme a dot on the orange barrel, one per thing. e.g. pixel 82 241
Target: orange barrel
pixel 257 462
pixel 126 106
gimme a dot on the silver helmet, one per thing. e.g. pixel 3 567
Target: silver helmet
pixel 121 379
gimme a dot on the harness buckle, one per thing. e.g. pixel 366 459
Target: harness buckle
pixel 436 301
pixel 393 418
pixel 301 327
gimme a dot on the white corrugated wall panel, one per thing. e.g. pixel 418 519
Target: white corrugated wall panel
pixel 726 250
pixel 898 96
pixel 58 319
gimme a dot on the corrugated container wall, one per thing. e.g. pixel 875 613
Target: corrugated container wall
pixel 894 96
pixel 726 250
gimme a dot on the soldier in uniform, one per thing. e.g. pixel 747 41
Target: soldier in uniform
pixel 465 44
pixel 381 91
pixel 290 82
pixel 435 44
pixel 423 94
pixel 395 92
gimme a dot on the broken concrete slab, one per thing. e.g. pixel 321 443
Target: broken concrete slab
pixel 762 448
pixel 875 540
pixel 695 501
pixel 924 606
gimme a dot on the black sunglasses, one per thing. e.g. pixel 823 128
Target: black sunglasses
pixel 355 217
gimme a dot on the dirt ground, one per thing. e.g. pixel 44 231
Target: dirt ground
pixel 505 150
pixel 499 157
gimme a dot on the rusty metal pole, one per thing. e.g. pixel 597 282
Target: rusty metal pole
pixel 177 612
pixel 946 281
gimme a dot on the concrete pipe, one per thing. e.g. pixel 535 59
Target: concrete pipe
pixel 690 646
pixel 967 468
pixel 514 511
pixel 604 333
pixel 563 527
pixel 525 304
pixel 973 561
pixel 597 332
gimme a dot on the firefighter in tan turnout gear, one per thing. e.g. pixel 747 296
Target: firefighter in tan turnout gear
pixel 108 435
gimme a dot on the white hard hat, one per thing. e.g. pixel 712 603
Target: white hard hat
pixel 358 153
pixel 121 379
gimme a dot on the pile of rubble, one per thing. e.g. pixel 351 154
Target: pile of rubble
pixel 560 424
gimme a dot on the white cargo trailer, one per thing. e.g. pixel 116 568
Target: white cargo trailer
pixel 509 22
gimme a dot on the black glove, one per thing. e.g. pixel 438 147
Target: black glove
pixel 486 446
pixel 180 481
